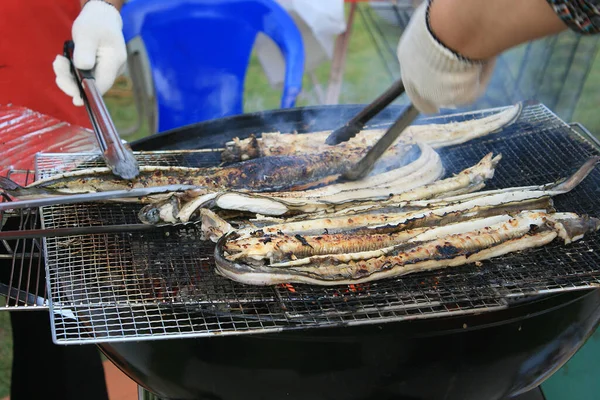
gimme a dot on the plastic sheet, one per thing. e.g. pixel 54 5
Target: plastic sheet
pixel 24 132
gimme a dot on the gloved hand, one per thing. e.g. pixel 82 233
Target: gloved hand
pixel 435 76
pixel 99 44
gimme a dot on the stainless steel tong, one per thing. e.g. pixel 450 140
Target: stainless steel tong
pixel 87 197
pixel 117 157
pixel 352 127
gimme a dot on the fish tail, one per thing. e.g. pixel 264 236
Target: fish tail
pixel 9 185
pixel 575 179
pixel 12 188
pixel 517 115
pixel 574 227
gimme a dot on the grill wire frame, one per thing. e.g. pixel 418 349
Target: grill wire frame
pixel 161 284
pixel 23 288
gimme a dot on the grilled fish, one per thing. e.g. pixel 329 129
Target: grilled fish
pixel 435 135
pixel 441 247
pixel 420 183
pixel 269 174
pixel 302 235
pixel 264 175
pixel 360 246
pixel 461 187
pixel 362 231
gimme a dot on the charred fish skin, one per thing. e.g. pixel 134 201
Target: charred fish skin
pixel 251 245
pixel 525 231
pixel 466 208
pixel 425 169
pixel 262 175
pixel 424 185
pixel 269 174
pixel 409 177
pixel 385 175
pixel 281 247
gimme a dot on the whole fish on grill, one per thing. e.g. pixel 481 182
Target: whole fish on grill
pixel 368 227
pixel 435 135
pixel 268 174
pixel 419 183
pixel 448 245
pixel 385 241
pixel 461 187
pixel 274 175
pixel 364 231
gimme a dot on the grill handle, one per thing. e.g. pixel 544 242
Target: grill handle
pixel 578 126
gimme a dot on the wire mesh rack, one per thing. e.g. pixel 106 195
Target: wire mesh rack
pixel 161 284
pixel 22 272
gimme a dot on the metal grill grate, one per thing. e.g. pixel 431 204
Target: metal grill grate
pixel 162 284
pixel 22 275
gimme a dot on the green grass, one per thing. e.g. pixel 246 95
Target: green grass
pixel 5 350
pixel 586 111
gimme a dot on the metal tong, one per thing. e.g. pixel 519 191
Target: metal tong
pixel 117 157
pixel 87 197
pixel 352 127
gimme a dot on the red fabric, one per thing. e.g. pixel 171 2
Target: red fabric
pixel 32 34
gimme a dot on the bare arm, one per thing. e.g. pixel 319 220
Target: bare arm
pixel 480 29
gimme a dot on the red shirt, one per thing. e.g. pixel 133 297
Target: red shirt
pixel 32 33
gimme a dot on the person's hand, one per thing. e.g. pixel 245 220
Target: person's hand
pixel 99 45
pixel 433 75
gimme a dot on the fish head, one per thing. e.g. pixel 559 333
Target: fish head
pixel 150 214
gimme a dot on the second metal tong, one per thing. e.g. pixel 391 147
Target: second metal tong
pixel 354 126
pixel 117 157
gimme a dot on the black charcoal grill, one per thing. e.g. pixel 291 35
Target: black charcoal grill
pixel 153 304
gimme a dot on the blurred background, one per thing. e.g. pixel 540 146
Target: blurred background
pixel 563 72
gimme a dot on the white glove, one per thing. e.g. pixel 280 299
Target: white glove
pixel 99 45
pixel 433 75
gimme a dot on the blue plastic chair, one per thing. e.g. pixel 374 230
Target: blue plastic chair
pixel 199 50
